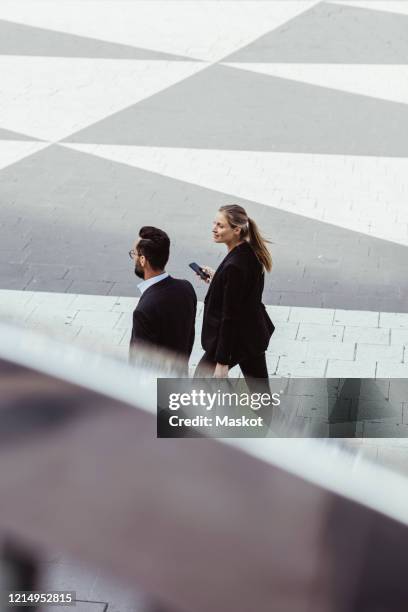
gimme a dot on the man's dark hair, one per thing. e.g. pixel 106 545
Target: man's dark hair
pixel 154 244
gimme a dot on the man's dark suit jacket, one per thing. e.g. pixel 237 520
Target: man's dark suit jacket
pixel 165 317
pixel 236 325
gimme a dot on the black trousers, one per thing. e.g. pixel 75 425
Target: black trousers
pixel 252 368
pixel 255 372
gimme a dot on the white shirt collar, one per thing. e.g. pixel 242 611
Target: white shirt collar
pixel 151 281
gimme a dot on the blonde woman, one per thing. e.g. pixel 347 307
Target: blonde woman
pixel 236 327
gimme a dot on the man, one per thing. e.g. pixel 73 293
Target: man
pixel 165 315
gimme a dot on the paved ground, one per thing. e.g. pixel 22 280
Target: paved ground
pixel 119 114
pixel 307 342
pixel 111 119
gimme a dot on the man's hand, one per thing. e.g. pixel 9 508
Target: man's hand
pixel 221 371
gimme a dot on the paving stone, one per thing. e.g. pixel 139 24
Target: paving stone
pixel 127 332
pixel 12 256
pixel 327 387
pixel 296 298
pixel 103 271
pixel 47 271
pixel 321 333
pixel 58 318
pixel 294 367
pixel 17 284
pixel 319 428
pixel 126 304
pixel 399 336
pixel 49 284
pixel 22 310
pixel 12 241
pixel 94 303
pixel 312 315
pixel 285 331
pixel 11 298
pixel 356 318
pixel 125 320
pixel 278 313
pixel 65 333
pixel 374 352
pixel 329 408
pixel 337 368
pixel 392 319
pixel 331 350
pixel 271 364
pixel 353 301
pixel 380 429
pixel 371 390
pixel 128 289
pixel 16 314
pixel 387 369
pixel 285 348
pixel 378 411
pixel 51 301
pixel 105 320
pixel 397 390
pixel 91 287
pixel 367 335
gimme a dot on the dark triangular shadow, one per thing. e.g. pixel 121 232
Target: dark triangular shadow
pixel 94 207
pixel 9 135
pixel 19 39
pixel 329 34
pixel 349 394
pixel 226 108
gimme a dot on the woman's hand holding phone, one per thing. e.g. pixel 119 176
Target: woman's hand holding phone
pixel 203 272
pixel 210 273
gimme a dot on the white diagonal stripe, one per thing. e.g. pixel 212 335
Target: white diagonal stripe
pixel 364 194
pixel 50 98
pixel 205 30
pixel 390 6
pixel 12 151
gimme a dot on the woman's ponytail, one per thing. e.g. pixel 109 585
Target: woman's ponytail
pixel 258 243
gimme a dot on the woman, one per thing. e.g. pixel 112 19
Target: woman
pixel 236 326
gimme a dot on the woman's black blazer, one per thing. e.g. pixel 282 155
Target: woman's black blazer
pixel 235 323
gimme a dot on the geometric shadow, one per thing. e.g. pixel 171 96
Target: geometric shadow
pixel 328 34
pixel 70 218
pixel 227 108
pixel 9 135
pixel 18 39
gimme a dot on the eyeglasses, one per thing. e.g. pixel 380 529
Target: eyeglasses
pixel 132 254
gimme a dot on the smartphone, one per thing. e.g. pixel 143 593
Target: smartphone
pixel 198 270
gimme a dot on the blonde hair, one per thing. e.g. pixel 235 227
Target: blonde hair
pixel 237 217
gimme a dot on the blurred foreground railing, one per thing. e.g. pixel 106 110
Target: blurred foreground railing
pixel 199 524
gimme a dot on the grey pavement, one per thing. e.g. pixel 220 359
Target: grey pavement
pixel 335 34
pixel 68 218
pixel 69 229
pixel 20 39
pixel 217 109
pixel 11 135
pixel 339 297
